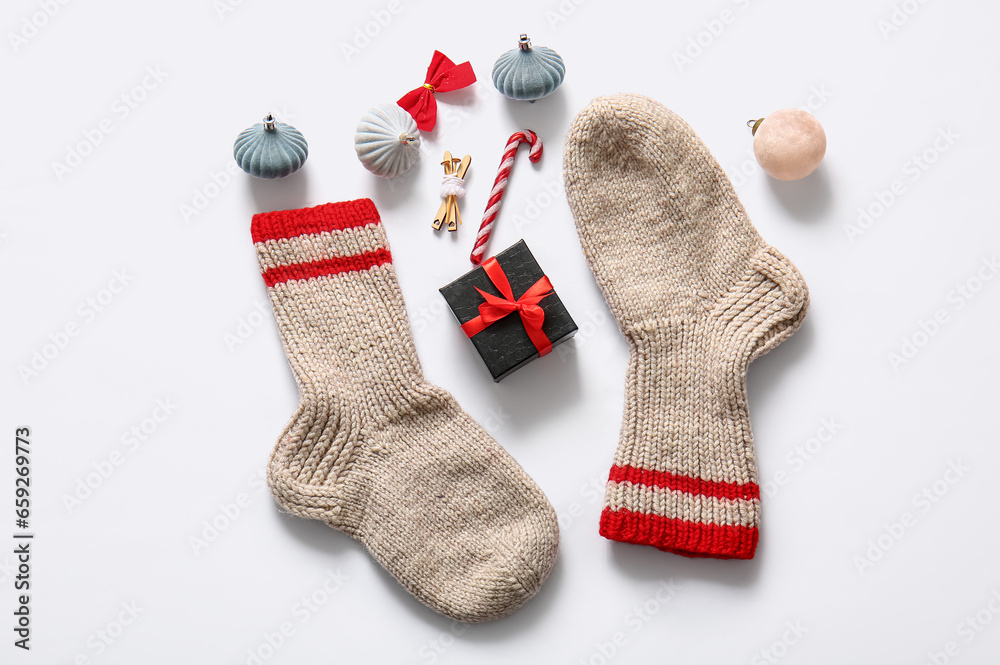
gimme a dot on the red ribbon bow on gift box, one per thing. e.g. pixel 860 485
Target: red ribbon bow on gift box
pixel 496 308
pixel 443 75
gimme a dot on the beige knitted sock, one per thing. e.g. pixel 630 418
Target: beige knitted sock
pixel 698 294
pixel 374 450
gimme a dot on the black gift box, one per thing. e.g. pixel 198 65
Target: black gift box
pixel 505 344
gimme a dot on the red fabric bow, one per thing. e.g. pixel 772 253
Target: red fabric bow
pixel 443 75
pixel 496 308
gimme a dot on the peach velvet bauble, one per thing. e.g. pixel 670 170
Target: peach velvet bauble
pixel 789 144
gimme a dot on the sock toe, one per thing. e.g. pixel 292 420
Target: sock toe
pixel 530 555
pixel 512 574
pixel 473 579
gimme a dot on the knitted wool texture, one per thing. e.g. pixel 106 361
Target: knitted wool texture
pixel 698 294
pixel 374 450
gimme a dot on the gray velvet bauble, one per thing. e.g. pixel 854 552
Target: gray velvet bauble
pixel 270 149
pixel 528 73
pixel 387 140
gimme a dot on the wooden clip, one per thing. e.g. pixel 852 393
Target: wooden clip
pixel 448 212
pixel 456 218
pixel 442 212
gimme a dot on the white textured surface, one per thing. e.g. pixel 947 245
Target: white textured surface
pixel 852 449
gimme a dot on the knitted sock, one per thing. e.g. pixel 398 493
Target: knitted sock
pixel 374 450
pixel 698 294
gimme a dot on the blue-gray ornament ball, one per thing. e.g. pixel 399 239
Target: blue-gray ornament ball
pixel 528 72
pixel 270 149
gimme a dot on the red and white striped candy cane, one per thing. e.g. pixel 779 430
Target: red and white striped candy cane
pixel 500 185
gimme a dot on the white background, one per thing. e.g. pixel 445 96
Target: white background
pixel 883 96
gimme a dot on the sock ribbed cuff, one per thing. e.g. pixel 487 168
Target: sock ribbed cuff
pixel 324 240
pixel 282 224
pixel 684 478
pixel 681 514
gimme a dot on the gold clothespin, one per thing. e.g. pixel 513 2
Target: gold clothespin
pixel 454 215
pixel 442 212
pixel 448 212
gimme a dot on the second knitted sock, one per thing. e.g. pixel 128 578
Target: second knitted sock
pixel 698 294
pixel 376 451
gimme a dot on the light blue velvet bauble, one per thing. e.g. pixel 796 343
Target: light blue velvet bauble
pixel 270 149
pixel 528 73
pixel 387 140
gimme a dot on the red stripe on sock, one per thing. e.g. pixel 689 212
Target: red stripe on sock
pixel 691 539
pixel 282 224
pixel 672 481
pixel 333 266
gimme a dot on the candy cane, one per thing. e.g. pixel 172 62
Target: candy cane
pixel 500 185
